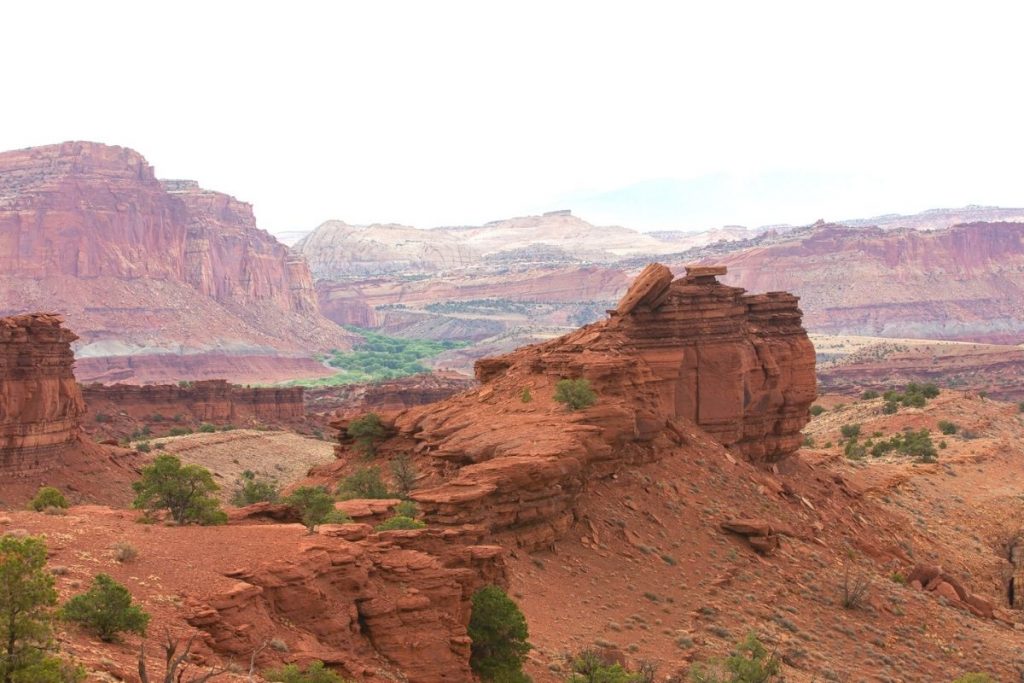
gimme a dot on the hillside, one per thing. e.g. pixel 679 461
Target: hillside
pixel 149 268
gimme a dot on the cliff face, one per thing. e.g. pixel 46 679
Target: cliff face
pixel 213 401
pixel 40 404
pixel 676 357
pixel 144 266
pixel 962 283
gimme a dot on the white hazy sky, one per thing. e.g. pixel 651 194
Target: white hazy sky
pixel 647 114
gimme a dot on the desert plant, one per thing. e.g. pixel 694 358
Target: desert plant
pixel 143 447
pixel 750 662
pixel 525 395
pixel 102 417
pixel 397 522
pixel 48 497
pixel 314 673
pixel 207 428
pixel 593 666
pixel 890 408
pixel 817 410
pixel 125 552
pixel 184 490
pixel 850 431
pixel 106 609
pixel 406 508
pixel 336 517
pixel 313 504
pixel 975 677
pixel 26 598
pixel 249 490
pixel 868 395
pixel 367 431
pixel 363 483
pixel 947 427
pixel 499 635
pixel 854 588
pixel 175 663
pixel 403 474
pixel 576 394
pixel 808 441
pixel 179 431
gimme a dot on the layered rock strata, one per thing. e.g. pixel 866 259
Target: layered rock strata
pixel 367 604
pixel 40 403
pixel 677 356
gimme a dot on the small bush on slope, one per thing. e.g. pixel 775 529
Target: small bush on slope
pixel 48 497
pixel 249 490
pixel 367 431
pixel 184 490
pixel 750 662
pixel 575 393
pixel 363 483
pixel 314 673
pixel 314 503
pixel 106 609
pixel 499 633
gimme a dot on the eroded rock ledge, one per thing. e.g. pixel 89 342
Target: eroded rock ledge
pixel 675 356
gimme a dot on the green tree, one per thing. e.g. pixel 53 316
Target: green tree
pixel 499 636
pixel 314 673
pixel 48 497
pixel 399 522
pixel 314 503
pixel 403 473
pixel 590 667
pixel 249 490
pixel 184 490
pixel 750 662
pixel 975 677
pixel 106 609
pixel 26 598
pixel 363 483
pixel 367 431
pixel 575 393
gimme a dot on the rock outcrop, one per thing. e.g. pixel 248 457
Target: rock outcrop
pixel 675 357
pixel 41 408
pixel 392 396
pixel 213 401
pixel 40 403
pixel 385 603
pixel 140 266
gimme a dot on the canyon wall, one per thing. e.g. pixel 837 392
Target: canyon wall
pixel 144 267
pixel 677 358
pixel 962 283
pixel 213 401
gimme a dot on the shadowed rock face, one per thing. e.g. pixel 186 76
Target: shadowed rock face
pixel 675 355
pixel 209 401
pixel 40 403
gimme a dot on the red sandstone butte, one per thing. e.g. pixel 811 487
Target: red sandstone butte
pixel 676 357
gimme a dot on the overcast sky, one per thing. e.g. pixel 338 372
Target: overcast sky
pixel 651 115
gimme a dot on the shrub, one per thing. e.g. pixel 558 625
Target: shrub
pixel 367 431
pixel 207 428
pixel 975 677
pixel 817 410
pixel 403 473
pixel 25 615
pixel 125 552
pixel 406 508
pixel 184 490
pixel 179 431
pixel 363 483
pixel 156 417
pixel 854 588
pixel 102 417
pixel 947 427
pixel 499 636
pixel 854 450
pixel 106 609
pixel 750 662
pixel 593 666
pixel 249 490
pixel 397 522
pixel 575 393
pixel 890 408
pixel 313 504
pixel 850 431
pixel 808 441
pixel 48 497
pixel 868 395
pixel 143 447
pixel 525 396
pixel 316 672
pixel 336 517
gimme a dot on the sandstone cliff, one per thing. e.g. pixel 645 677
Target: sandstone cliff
pixel 40 417
pixel 961 283
pixel 143 266
pixel 674 356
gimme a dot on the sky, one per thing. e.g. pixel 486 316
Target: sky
pixel 653 115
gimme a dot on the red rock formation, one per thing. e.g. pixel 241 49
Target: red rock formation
pixel 392 602
pixel 676 355
pixel 961 283
pixel 40 404
pixel 213 401
pixel 136 264
pixel 390 397
pixel 162 368
pixel 40 411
